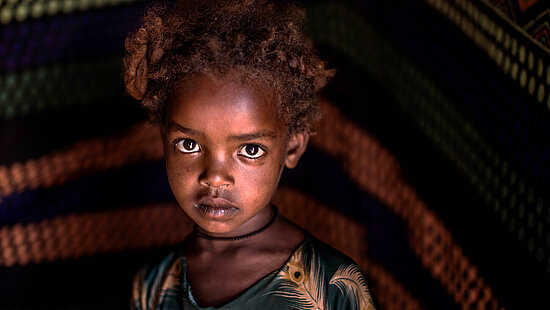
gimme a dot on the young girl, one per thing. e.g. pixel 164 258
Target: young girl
pixel 232 85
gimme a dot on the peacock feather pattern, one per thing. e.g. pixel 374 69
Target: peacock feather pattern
pixel 351 283
pixel 304 287
pixel 170 285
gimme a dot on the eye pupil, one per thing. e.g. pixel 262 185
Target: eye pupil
pixel 251 149
pixel 189 145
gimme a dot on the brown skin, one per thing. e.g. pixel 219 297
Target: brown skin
pixel 225 150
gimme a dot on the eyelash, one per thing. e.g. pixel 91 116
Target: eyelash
pixel 178 145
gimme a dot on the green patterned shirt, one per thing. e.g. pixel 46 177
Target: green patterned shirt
pixel 315 276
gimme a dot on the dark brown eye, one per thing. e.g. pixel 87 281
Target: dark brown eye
pixel 187 146
pixel 252 151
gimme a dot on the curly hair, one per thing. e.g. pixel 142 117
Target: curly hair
pixel 262 40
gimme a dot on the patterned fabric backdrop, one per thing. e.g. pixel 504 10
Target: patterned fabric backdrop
pixel 431 167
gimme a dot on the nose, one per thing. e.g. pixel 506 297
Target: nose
pixel 216 171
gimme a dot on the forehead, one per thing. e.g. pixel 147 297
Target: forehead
pixel 227 104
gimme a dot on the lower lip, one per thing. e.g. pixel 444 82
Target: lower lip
pixel 217 213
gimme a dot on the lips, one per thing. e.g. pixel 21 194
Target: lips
pixel 215 208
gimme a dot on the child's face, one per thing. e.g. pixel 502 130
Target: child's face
pixel 225 150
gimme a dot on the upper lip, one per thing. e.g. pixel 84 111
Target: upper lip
pixel 215 197
pixel 219 202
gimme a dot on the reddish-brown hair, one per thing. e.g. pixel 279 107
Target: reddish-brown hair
pixel 263 41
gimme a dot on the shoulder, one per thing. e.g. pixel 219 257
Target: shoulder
pixel 154 281
pixel 327 274
pixel 330 257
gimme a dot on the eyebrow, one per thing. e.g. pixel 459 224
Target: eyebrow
pixel 185 130
pixel 260 135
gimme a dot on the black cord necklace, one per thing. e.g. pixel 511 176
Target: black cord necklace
pixel 205 236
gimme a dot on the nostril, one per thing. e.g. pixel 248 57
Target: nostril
pixel 216 181
pixel 214 185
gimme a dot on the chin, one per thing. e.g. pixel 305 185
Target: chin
pixel 215 227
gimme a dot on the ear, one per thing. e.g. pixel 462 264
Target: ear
pixel 296 147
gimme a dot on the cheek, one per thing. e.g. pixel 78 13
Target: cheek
pixel 179 175
pixel 259 185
